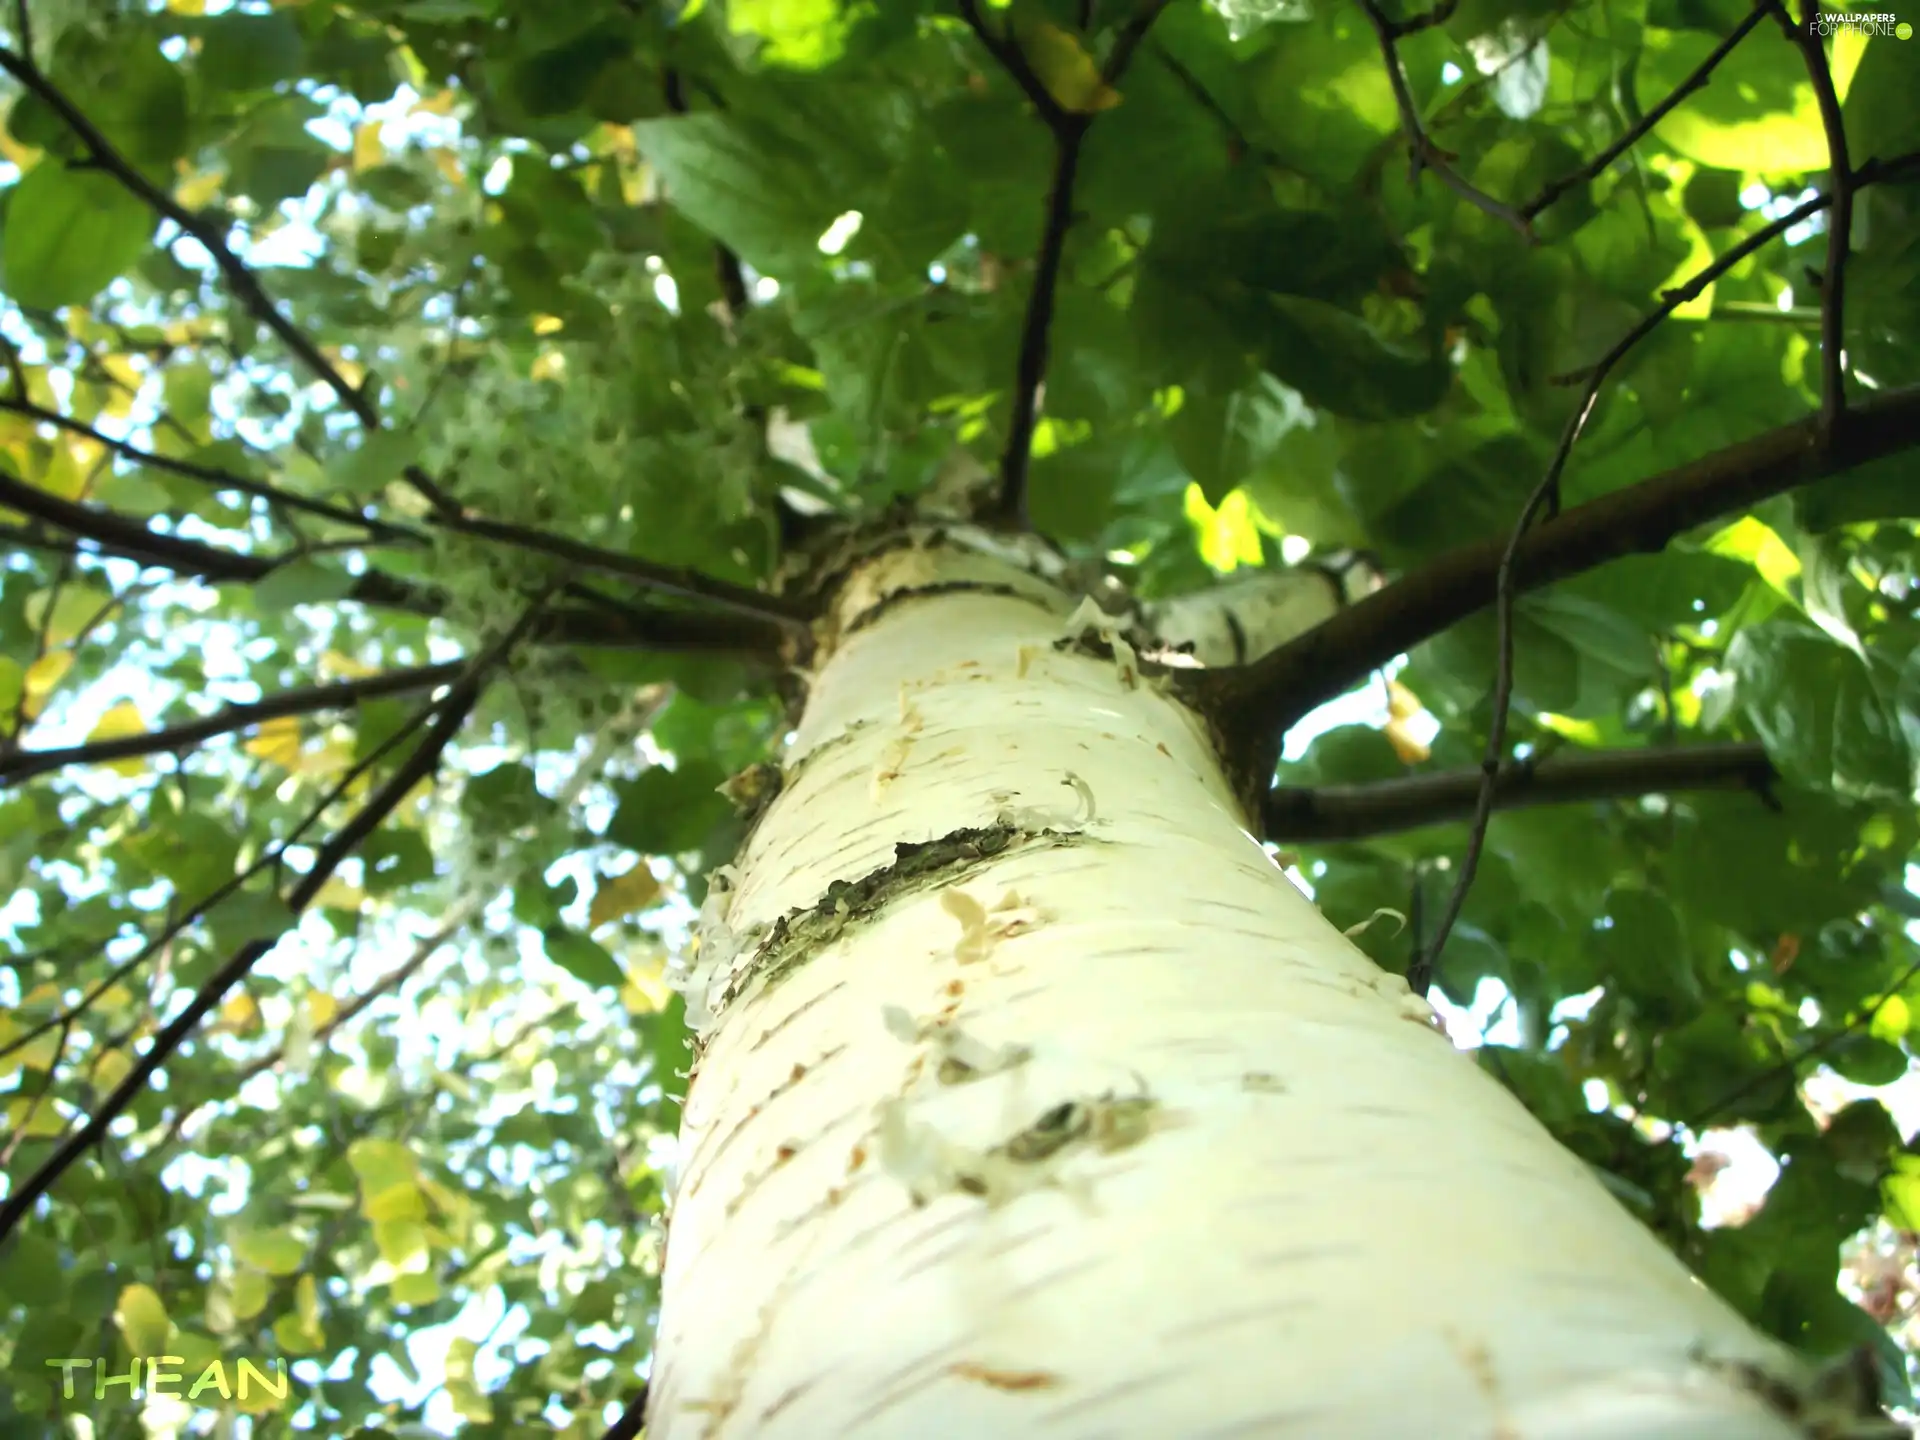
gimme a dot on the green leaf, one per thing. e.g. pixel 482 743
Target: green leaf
pixel 1818 709
pixel 277 1252
pixel 745 187
pixel 301 582
pixel 248 915
pixel 1223 439
pixel 274 156
pixel 30 1271
pixel 249 52
pixel 130 92
pixel 668 812
pixel 584 959
pixel 69 234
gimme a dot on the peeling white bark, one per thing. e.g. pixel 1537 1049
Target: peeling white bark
pixel 1191 1165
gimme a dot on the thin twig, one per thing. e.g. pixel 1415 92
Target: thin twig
pixel 1357 812
pixel 1257 703
pixel 269 860
pixel 1420 974
pixel 673 579
pixel 1425 154
pixel 212 474
pixel 1697 79
pixel 306 700
pixel 1425 20
pixel 1069 129
pixel 1014 61
pixel 1813 1051
pixel 418 766
pixel 1840 187
pixel 240 278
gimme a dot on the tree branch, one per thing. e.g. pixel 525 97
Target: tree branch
pixel 244 285
pixel 1357 812
pixel 1840 187
pixel 1427 155
pixel 24 764
pixel 633 1419
pixel 240 279
pixel 617 624
pixel 418 766
pixel 1069 128
pixel 213 475
pixel 1256 704
pixel 674 579
pixel 1008 54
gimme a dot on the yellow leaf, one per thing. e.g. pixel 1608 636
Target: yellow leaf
pixel 1227 537
pixel 469 1403
pixel 296 1337
pixel 1406 745
pixel 109 1070
pixel 336 894
pixel 368 150
pixel 39 1118
pixel 548 324
pixel 1402 703
pixel 69 466
pixel 118 723
pixel 37 1054
pixel 65 614
pixel 402 1243
pixel 238 1012
pixel 329 759
pixel 439 103
pixel 277 741
pixel 420 1289
pixel 187 7
pixel 142 1320
pixel 550 365
pixel 16 154
pixel 335 665
pixel 306 1300
pixel 1583 732
pixel 1749 540
pixel 321 1007
pixel 397 1202
pixel 276 1252
pixel 448 164
pixel 1892 1020
pixel 623 894
pixel 198 188
pixel 248 1294
pixel 1067 71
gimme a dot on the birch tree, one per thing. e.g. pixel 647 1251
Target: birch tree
pixel 1129 717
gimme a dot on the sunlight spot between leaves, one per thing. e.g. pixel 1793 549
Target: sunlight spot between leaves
pixel 1227 537
pixel 837 235
pixel 1584 732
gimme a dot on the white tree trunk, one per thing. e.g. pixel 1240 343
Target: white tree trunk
pixel 1075 1118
